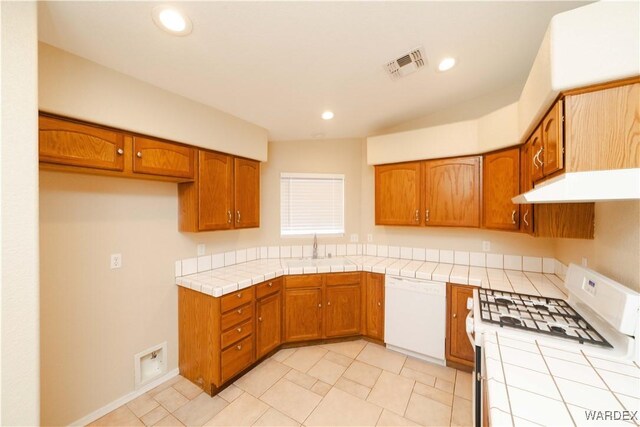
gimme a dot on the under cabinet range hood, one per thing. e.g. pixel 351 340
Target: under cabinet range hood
pixel 590 186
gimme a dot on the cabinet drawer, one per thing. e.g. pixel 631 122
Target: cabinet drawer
pixel 236 333
pixel 236 316
pixel 237 357
pixel 236 299
pixel 304 281
pixel 163 158
pixel 269 287
pixel 342 279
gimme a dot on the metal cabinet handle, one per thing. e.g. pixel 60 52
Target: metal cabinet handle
pixel 259 319
pixel 229 217
pixel 535 160
pixel 524 218
pixel 120 151
pixel 139 154
pixel 239 311
pixel 237 216
pixel 513 216
pixel 426 215
pixel 540 156
pixel 239 347
pixel 239 330
pixel 417 215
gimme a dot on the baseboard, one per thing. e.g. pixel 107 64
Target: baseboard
pixel 124 399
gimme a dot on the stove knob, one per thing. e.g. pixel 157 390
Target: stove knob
pixel 469 303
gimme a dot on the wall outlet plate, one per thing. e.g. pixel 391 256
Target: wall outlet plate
pixel 486 245
pixel 201 248
pixel 369 237
pixel 584 262
pixel 116 261
pixel 354 238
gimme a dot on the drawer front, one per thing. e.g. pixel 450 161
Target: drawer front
pixel 236 358
pixel 269 287
pixel 236 316
pixel 236 333
pixel 163 158
pixel 236 299
pixel 342 279
pixel 304 281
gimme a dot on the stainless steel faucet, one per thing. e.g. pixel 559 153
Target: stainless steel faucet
pixel 315 246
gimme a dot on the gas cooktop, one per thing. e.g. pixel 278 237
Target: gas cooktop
pixel 549 316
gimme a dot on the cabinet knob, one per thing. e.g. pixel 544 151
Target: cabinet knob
pixel 319 305
pixel 270 284
pixel 239 311
pixel 379 304
pixel 239 347
pixel 328 302
pixel 139 154
pixel 259 319
pixel 120 151
pixel 239 295
pixel 455 315
pixel 239 330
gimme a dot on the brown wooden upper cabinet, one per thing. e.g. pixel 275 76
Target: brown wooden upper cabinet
pixel 526 180
pixel 501 182
pixel 65 142
pixel 452 192
pixel 398 194
pixel 552 156
pixel 163 158
pixel 224 195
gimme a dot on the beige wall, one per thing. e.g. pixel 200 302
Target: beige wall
pixel 19 299
pixel 615 251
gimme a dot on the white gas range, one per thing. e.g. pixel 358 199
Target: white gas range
pixel 600 316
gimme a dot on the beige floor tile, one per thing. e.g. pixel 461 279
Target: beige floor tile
pixel 391 392
pixel 231 393
pixel 444 372
pixel 327 371
pixel 123 416
pixel 427 412
pixel 187 388
pixel 171 399
pixel 463 385
pixel 434 393
pixel 200 410
pixel 339 408
pixel 352 387
pixel 305 357
pixel 362 373
pixel 389 418
pixel 418 376
pixel 259 379
pixel 142 405
pixel 291 399
pixel 462 415
pixel 446 386
pixel 165 385
pixel 281 355
pixel 303 380
pixel 377 355
pixel 169 421
pixel 338 358
pixel 244 411
pixel 273 418
pixel 154 416
pixel 348 348
pixel 321 388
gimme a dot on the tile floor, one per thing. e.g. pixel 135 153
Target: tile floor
pixel 352 383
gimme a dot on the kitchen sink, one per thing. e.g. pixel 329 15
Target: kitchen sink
pixel 318 262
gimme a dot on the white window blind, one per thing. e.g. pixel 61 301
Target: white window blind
pixel 311 204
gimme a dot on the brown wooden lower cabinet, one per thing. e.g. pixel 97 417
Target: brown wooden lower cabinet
pixel 302 314
pixel 268 317
pixel 374 306
pixel 458 348
pixel 342 311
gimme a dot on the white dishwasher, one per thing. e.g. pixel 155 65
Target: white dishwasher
pixel 414 319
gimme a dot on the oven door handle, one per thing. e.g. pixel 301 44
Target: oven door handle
pixel 469 329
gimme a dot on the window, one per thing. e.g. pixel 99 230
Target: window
pixel 311 204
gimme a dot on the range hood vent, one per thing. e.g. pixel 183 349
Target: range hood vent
pixel 592 186
pixel 409 63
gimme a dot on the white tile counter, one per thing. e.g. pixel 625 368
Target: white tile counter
pixel 223 280
pixel 531 383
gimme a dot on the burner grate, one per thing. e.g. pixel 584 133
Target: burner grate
pixel 549 316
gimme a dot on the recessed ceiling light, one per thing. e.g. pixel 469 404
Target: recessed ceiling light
pixel 327 115
pixel 172 20
pixel 446 64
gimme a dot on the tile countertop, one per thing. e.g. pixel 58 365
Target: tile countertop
pixel 224 280
pixel 532 383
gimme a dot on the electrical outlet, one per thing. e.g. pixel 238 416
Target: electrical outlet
pixel 354 238
pixel 201 248
pixel 584 262
pixel 369 237
pixel 486 245
pixel 116 261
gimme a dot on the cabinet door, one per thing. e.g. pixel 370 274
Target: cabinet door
pixel 552 140
pixel 269 324
pixel 459 348
pixel 155 157
pixel 247 193
pixel 537 172
pixel 342 310
pixel 526 184
pixel 67 143
pixel 501 178
pixel 398 194
pixel 375 305
pixel 215 198
pixel 452 192
pixel 302 314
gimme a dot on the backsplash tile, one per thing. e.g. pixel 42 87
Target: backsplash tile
pixel 371 250
pixel 189 266
pixel 273 252
pixel 495 261
pixel 512 262
pixel 296 251
pixel 307 251
pixel 418 254
pixel 331 249
pixel 229 258
pixel 383 251
pixel 241 256
pixel 406 253
pixel 394 251
pixel 252 254
pixel 217 260
pixel 178 269
pixel 204 263
pixel 446 256
pixel 285 251
pixel 341 250
pixel 263 252
pixel 461 258
pixel 548 265
pixel 477 259
pixel 433 255
pixel 352 249
pixel 533 264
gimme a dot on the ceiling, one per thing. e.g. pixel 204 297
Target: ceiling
pixel 281 64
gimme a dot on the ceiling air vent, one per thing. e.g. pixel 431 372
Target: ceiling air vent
pixel 406 64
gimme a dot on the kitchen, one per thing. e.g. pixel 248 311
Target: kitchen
pixel 94 319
